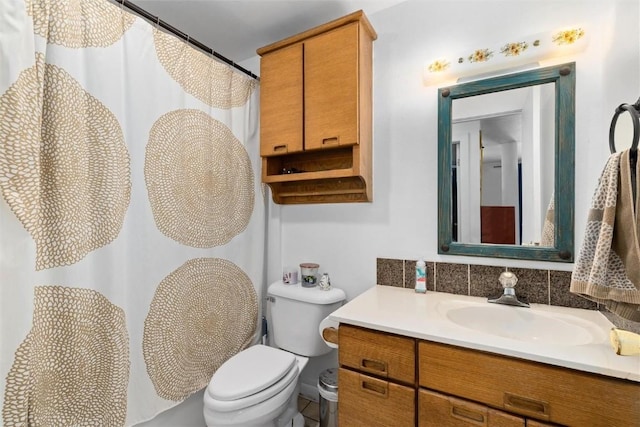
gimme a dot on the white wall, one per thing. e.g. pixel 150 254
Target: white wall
pixel 346 239
pixel 492 183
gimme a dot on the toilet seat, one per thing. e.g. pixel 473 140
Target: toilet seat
pixel 250 377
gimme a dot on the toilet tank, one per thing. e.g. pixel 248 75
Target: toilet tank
pixel 296 313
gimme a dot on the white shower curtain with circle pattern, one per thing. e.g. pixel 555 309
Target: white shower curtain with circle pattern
pixel 132 218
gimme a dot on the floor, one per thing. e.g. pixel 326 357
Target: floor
pixel 310 410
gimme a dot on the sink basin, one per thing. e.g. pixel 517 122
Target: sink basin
pixel 521 324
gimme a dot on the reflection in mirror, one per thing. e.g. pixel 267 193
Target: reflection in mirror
pixel 505 149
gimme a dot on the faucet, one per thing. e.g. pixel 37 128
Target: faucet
pixel 508 281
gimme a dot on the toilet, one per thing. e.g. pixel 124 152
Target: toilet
pixel 259 386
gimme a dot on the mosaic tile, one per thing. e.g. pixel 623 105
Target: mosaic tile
pixel 452 278
pixel 560 281
pixel 431 278
pixel 483 280
pixel 410 273
pixel 533 285
pixel 389 272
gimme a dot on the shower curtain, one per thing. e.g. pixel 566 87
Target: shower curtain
pixel 132 218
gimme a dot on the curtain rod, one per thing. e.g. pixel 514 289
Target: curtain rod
pixel 156 20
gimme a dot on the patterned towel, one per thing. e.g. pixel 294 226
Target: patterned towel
pixel 549 228
pixel 607 269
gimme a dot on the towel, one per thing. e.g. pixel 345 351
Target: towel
pixel 549 228
pixel 607 269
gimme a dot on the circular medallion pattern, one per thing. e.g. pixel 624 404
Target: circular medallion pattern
pixel 79 23
pixel 64 165
pixel 202 313
pixel 73 366
pixel 212 82
pixel 199 179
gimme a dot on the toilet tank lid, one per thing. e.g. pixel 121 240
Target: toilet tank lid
pixel 313 295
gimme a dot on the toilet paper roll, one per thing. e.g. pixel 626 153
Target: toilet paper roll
pixel 328 323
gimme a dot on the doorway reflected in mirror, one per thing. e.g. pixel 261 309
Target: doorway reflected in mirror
pixel 503 149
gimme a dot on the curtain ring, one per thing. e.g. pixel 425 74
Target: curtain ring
pixel 636 126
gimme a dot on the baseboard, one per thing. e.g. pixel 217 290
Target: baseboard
pixel 310 392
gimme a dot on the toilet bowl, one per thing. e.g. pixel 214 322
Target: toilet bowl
pixel 259 386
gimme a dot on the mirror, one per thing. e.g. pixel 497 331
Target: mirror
pixel 505 149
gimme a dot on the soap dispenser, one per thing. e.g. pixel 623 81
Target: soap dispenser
pixel 421 276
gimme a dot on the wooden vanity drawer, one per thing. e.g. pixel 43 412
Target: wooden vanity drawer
pixel 378 353
pixel 535 423
pixel 536 390
pixel 439 410
pixel 369 402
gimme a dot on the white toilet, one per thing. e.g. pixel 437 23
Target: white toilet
pixel 259 386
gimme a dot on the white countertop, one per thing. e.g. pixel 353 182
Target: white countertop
pixel 405 312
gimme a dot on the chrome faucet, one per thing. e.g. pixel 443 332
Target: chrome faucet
pixel 508 281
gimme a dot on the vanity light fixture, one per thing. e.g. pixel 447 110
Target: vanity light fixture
pixel 513 55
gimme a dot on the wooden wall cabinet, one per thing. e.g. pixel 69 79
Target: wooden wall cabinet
pixel 316 113
pixel 392 380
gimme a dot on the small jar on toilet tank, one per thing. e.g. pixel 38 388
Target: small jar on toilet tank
pixel 309 274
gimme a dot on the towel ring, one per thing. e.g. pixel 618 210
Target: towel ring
pixel 633 110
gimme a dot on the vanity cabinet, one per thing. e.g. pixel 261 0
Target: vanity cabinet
pixel 316 113
pixel 377 378
pixel 534 390
pixel 440 410
pixel 393 380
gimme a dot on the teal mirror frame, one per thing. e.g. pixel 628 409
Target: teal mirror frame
pixel 564 77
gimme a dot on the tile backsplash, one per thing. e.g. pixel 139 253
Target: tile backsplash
pixel 535 286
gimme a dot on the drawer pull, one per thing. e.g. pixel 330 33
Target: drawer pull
pixel 526 405
pixel 371 365
pixel 467 414
pixel 371 387
pixel 330 141
pixel 280 148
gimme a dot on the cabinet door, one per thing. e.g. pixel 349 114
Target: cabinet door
pixel 377 353
pixel 331 88
pixel 439 410
pixel 371 402
pixel 281 103
pixel 534 390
